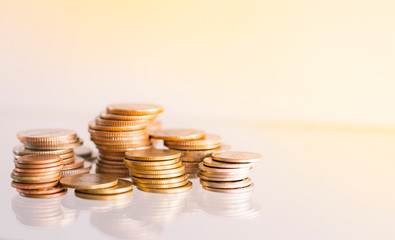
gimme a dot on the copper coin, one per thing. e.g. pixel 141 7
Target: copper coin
pixel 125 146
pixel 84 169
pixel 226 171
pixel 208 140
pixel 89 181
pixel 68 160
pixel 111 167
pixel 101 133
pixel 34 174
pixel 51 143
pixel 196 147
pixel 94 126
pixel 121 187
pixel 134 109
pixel 38 166
pixel 209 162
pixel 153 154
pixel 236 157
pixel 51 190
pixel 46 134
pixel 117 175
pixel 53 195
pixel 196 153
pixel 163 167
pixel 230 190
pixel 38 170
pixel 139 163
pixel 191 160
pixel 103 139
pixel 111 158
pixel 67 155
pixel 180 189
pixel 168 185
pixel 158 176
pixel 39 159
pixel 122 150
pixel 178 134
pixel 20 150
pixel 78 142
pixel 222 179
pixel 231 184
pixel 111 116
pixel 160 181
pixel 158 172
pixel 35 179
pixel 107 122
pixel 120 142
pixel 34 185
pixel 114 163
pixel 112 154
pixel 78 162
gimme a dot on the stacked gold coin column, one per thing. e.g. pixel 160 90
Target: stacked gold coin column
pixel 228 172
pixel 54 141
pixel 98 186
pixel 157 170
pixel 121 128
pixel 37 176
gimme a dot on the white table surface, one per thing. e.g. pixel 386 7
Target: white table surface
pixel 315 182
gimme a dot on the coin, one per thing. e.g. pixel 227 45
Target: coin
pixel 153 154
pixel 222 179
pixel 53 195
pixel 117 141
pixel 39 159
pixel 89 181
pixel 68 160
pixel 231 184
pixel 78 142
pixel 38 170
pixel 208 140
pixel 102 196
pixel 226 171
pixel 124 146
pixel 236 157
pixel 160 181
pixel 111 167
pixel 79 162
pixel 20 150
pixel 35 179
pixel 46 135
pixel 122 186
pixel 184 188
pixel 51 143
pixel 230 190
pixel 34 185
pixel 121 150
pixel 134 109
pixel 33 176
pixel 178 134
pixel 114 163
pixel 51 190
pixel 209 162
pixel 158 172
pixel 94 126
pixel 110 116
pixel 157 168
pixel 108 122
pixel 151 163
pixel 199 153
pixel 124 171
pixel 157 176
pixel 84 169
pixel 168 185
pixel 104 134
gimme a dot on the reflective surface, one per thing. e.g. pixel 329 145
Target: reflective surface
pixel 315 182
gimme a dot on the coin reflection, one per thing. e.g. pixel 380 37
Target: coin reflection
pixel 230 205
pixel 42 212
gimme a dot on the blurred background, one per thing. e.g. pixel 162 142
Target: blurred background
pixel 310 84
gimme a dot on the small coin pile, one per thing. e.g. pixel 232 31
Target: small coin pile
pixel 121 128
pixel 228 172
pixel 157 170
pixel 37 176
pixel 98 186
pixel 193 144
pixel 53 141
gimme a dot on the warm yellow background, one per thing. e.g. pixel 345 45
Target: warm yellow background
pixel 314 61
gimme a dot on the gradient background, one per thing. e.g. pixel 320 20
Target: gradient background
pixel 308 83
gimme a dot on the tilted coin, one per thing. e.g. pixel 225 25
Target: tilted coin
pixel 94 126
pixel 160 181
pixel 184 188
pixel 231 184
pixel 89 181
pixel 196 153
pixel 67 155
pixel 178 134
pixel 53 195
pixel 46 134
pixel 122 186
pixel 230 190
pixel 237 157
pixel 153 154
pixel 68 160
pixel 151 163
pixel 89 196
pixel 208 140
pixel 134 109
pixel 111 116
pixel 39 159
pixel 209 162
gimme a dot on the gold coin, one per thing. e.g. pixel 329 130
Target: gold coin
pixel 110 116
pixel 229 171
pixel 209 162
pixel 121 187
pixel 102 196
pixel 53 195
pixel 84 169
pixel 46 135
pixel 232 184
pixel 89 181
pixel 107 122
pixel 39 159
pixel 168 185
pixel 184 188
pixel 202 147
pixel 151 163
pixel 158 172
pixel 230 190
pixel 34 178
pixel 236 157
pixel 37 181
pixel 34 185
pixel 153 154
pixel 157 168
pixel 159 181
pixel 38 170
pixel 94 126
pixel 157 176
pixel 178 134
pixel 134 109
pixel 122 150
pixel 208 140
pixel 20 150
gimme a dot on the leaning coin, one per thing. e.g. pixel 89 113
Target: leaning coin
pixel 102 196
pixel 89 181
pixel 236 156
pixel 209 162
pixel 178 134
pixel 122 186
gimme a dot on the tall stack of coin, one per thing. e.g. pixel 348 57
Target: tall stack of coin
pixel 194 145
pixel 53 141
pixel 157 170
pixel 228 171
pixel 37 176
pixel 98 186
pixel 121 128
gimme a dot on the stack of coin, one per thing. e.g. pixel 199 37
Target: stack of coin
pixel 53 141
pixel 194 145
pixel 98 186
pixel 228 172
pixel 37 176
pixel 157 170
pixel 121 128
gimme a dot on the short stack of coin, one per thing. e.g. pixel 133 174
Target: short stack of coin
pixel 37 176
pixel 56 142
pixel 157 170
pixel 121 128
pixel 98 186
pixel 228 172
pixel 194 145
